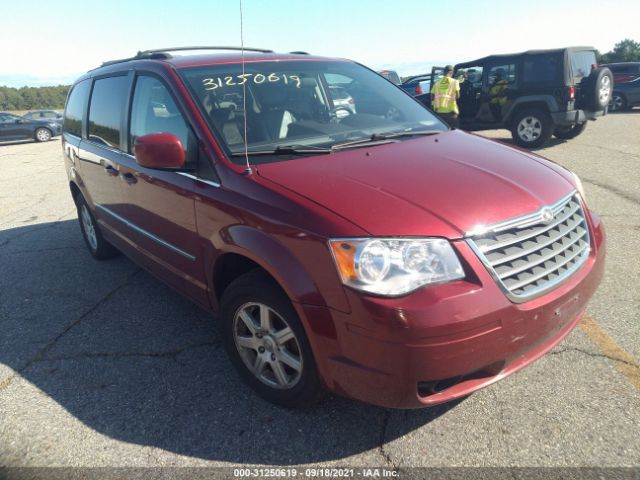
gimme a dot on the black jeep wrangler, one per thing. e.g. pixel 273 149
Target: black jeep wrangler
pixel 534 94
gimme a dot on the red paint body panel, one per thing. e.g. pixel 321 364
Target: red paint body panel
pixel 370 348
pixel 389 345
pixel 443 185
pixel 160 150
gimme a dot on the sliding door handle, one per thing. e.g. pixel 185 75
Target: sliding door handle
pixel 111 171
pixel 130 178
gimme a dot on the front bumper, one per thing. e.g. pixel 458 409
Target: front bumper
pixel 444 342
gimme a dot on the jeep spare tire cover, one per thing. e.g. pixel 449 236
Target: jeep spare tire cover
pixel 599 88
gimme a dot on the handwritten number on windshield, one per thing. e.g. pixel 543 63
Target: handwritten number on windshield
pixel 258 78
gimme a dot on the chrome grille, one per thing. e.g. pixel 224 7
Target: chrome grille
pixel 530 255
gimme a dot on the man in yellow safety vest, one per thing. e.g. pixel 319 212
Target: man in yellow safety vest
pixel 444 97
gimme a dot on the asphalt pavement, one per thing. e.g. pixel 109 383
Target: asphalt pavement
pixel 102 365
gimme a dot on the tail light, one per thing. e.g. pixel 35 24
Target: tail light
pixel 351 101
pixel 418 89
pixel 571 92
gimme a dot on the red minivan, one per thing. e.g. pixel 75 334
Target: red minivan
pixel 373 252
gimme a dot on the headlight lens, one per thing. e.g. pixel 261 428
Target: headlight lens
pixel 579 186
pixel 395 266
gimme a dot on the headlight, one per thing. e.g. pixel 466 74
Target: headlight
pixel 579 186
pixel 395 266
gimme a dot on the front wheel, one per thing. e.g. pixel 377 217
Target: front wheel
pixel 566 133
pixel 267 343
pixel 43 134
pixel 531 128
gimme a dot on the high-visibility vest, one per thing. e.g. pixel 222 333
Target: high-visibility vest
pixel 445 92
pixel 498 92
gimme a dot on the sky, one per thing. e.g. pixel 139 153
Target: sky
pixel 53 42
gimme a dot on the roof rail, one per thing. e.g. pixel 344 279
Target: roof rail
pixel 177 49
pixel 139 56
pixel 161 53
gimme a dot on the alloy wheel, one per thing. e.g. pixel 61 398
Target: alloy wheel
pixel 604 94
pixel 267 345
pixel 43 135
pixel 529 128
pixel 617 103
pixel 88 227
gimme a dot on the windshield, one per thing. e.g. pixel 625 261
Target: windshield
pixel 302 103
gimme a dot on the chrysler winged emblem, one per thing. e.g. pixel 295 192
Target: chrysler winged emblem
pixel 546 215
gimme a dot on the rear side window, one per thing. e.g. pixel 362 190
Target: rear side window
pixel 108 101
pixel 542 68
pixel 75 108
pixel 581 64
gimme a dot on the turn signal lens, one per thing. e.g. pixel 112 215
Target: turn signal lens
pixel 344 253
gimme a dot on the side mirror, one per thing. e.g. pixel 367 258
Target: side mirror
pixel 159 150
pixel 19 120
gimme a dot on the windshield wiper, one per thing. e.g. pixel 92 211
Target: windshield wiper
pixel 285 150
pixel 382 138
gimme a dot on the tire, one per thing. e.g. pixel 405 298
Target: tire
pixel 99 248
pixel 42 134
pixel 250 341
pixel 565 133
pixel 598 89
pixel 618 103
pixel 531 128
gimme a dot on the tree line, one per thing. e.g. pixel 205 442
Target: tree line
pixel 33 98
pixel 625 51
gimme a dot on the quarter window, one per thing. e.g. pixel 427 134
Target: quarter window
pixel 581 64
pixel 105 111
pixel 154 111
pixel 75 108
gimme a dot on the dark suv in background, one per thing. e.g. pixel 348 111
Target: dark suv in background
pixel 535 94
pixel 626 89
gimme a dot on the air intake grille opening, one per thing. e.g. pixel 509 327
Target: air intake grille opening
pixel 530 257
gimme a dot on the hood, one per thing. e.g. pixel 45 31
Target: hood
pixel 442 185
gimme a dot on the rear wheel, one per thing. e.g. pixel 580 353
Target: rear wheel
pixel 99 248
pixel 42 134
pixel 566 133
pixel 531 128
pixel 618 103
pixel 267 343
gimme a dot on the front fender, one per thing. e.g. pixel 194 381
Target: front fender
pixel 274 253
